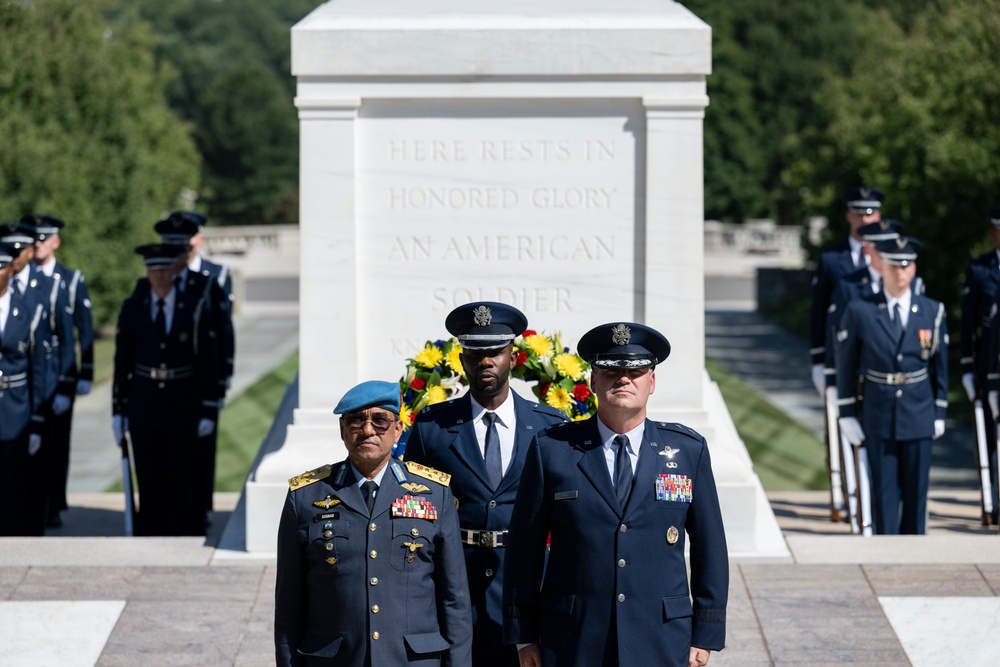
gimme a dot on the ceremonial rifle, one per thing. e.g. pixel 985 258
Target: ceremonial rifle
pixel 833 454
pixel 127 484
pixel 983 461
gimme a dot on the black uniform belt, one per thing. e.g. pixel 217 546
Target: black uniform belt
pixel 13 381
pixel 163 373
pixel 897 378
pixel 491 539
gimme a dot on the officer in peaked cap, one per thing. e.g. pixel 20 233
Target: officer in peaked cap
pixel 898 342
pixel 198 275
pixel 46 229
pixel 481 439
pixel 979 367
pixel 620 495
pixel 23 370
pixel 165 393
pixel 370 567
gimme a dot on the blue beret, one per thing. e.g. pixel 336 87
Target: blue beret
pixel 180 226
pixel 623 345
pixel 160 255
pixel 486 325
pixel 899 252
pixel 864 200
pixel 40 226
pixel 883 230
pixel 370 394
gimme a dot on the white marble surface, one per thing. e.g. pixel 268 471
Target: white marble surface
pixel 946 631
pixel 57 632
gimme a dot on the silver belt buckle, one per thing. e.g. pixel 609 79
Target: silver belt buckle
pixel 900 378
pixel 158 373
pixel 488 538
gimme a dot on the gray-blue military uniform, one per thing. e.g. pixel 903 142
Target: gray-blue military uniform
pixel 360 589
pixel 904 390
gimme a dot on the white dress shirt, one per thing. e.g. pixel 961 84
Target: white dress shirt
pixel 608 442
pixel 856 251
pixel 4 310
pixel 904 306
pixel 506 423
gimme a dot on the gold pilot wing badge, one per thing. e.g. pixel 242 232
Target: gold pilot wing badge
pixel 326 503
pixel 413 487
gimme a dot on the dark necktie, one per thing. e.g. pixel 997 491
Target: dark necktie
pixel 370 488
pixel 860 263
pixel 494 465
pixel 898 321
pixel 161 319
pixel 17 287
pixel 623 470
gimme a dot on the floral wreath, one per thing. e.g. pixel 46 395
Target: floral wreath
pixel 559 376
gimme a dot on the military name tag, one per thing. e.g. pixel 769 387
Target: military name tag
pixel 567 495
pixel 329 516
pixel 673 487
pixel 414 507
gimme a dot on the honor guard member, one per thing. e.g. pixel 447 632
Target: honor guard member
pixel 214 282
pixel 898 342
pixel 621 496
pixel 22 412
pixel 165 393
pixel 863 207
pixel 481 439
pixel 45 229
pixel 370 568
pixel 982 281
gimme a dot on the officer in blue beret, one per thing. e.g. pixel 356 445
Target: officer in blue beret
pixel 621 497
pixel 898 342
pixel 165 393
pixel 46 231
pixel 370 566
pixel 481 439
pixel 979 367
pixel 197 275
pixel 24 366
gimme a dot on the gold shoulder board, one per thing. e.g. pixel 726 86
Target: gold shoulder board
pixel 307 478
pixel 441 478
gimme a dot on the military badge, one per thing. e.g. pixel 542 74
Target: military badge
pixel 926 337
pixel 672 535
pixel 331 560
pixel 413 487
pixel 673 487
pixel 327 502
pixel 482 316
pixel 621 334
pixel 669 453
pixel 412 546
pixel 414 507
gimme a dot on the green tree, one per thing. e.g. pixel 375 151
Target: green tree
pixel 88 136
pixel 919 117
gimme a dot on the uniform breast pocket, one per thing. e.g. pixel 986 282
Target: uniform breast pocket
pixel 326 544
pixel 412 544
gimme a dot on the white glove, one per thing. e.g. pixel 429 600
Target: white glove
pixel 205 427
pixel 938 428
pixel 819 378
pixel 119 426
pixel 60 404
pixel 83 387
pixel 851 429
pixel 831 395
pixel 34 444
pixel 970 385
pixel 991 398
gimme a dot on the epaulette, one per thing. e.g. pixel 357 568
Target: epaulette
pixel 310 476
pixel 680 428
pixel 426 472
pixel 549 410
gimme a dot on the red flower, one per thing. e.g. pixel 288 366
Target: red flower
pixel 581 393
pixel 413 417
pixel 544 389
pixel 521 358
pixel 529 332
pixel 548 540
pixel 418 384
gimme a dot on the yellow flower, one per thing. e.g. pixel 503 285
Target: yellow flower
pixel 558 398
pixel 540 345
pixel 569 365
pixel 436 394
pixel 404 416
pixel 429 357
pixel 453 361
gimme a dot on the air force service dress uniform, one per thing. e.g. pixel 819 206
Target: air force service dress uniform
pixel 367 587
pixel 904 392
pixel 444 437
pixel 615 587
pixel 23 366
pixel 165 385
